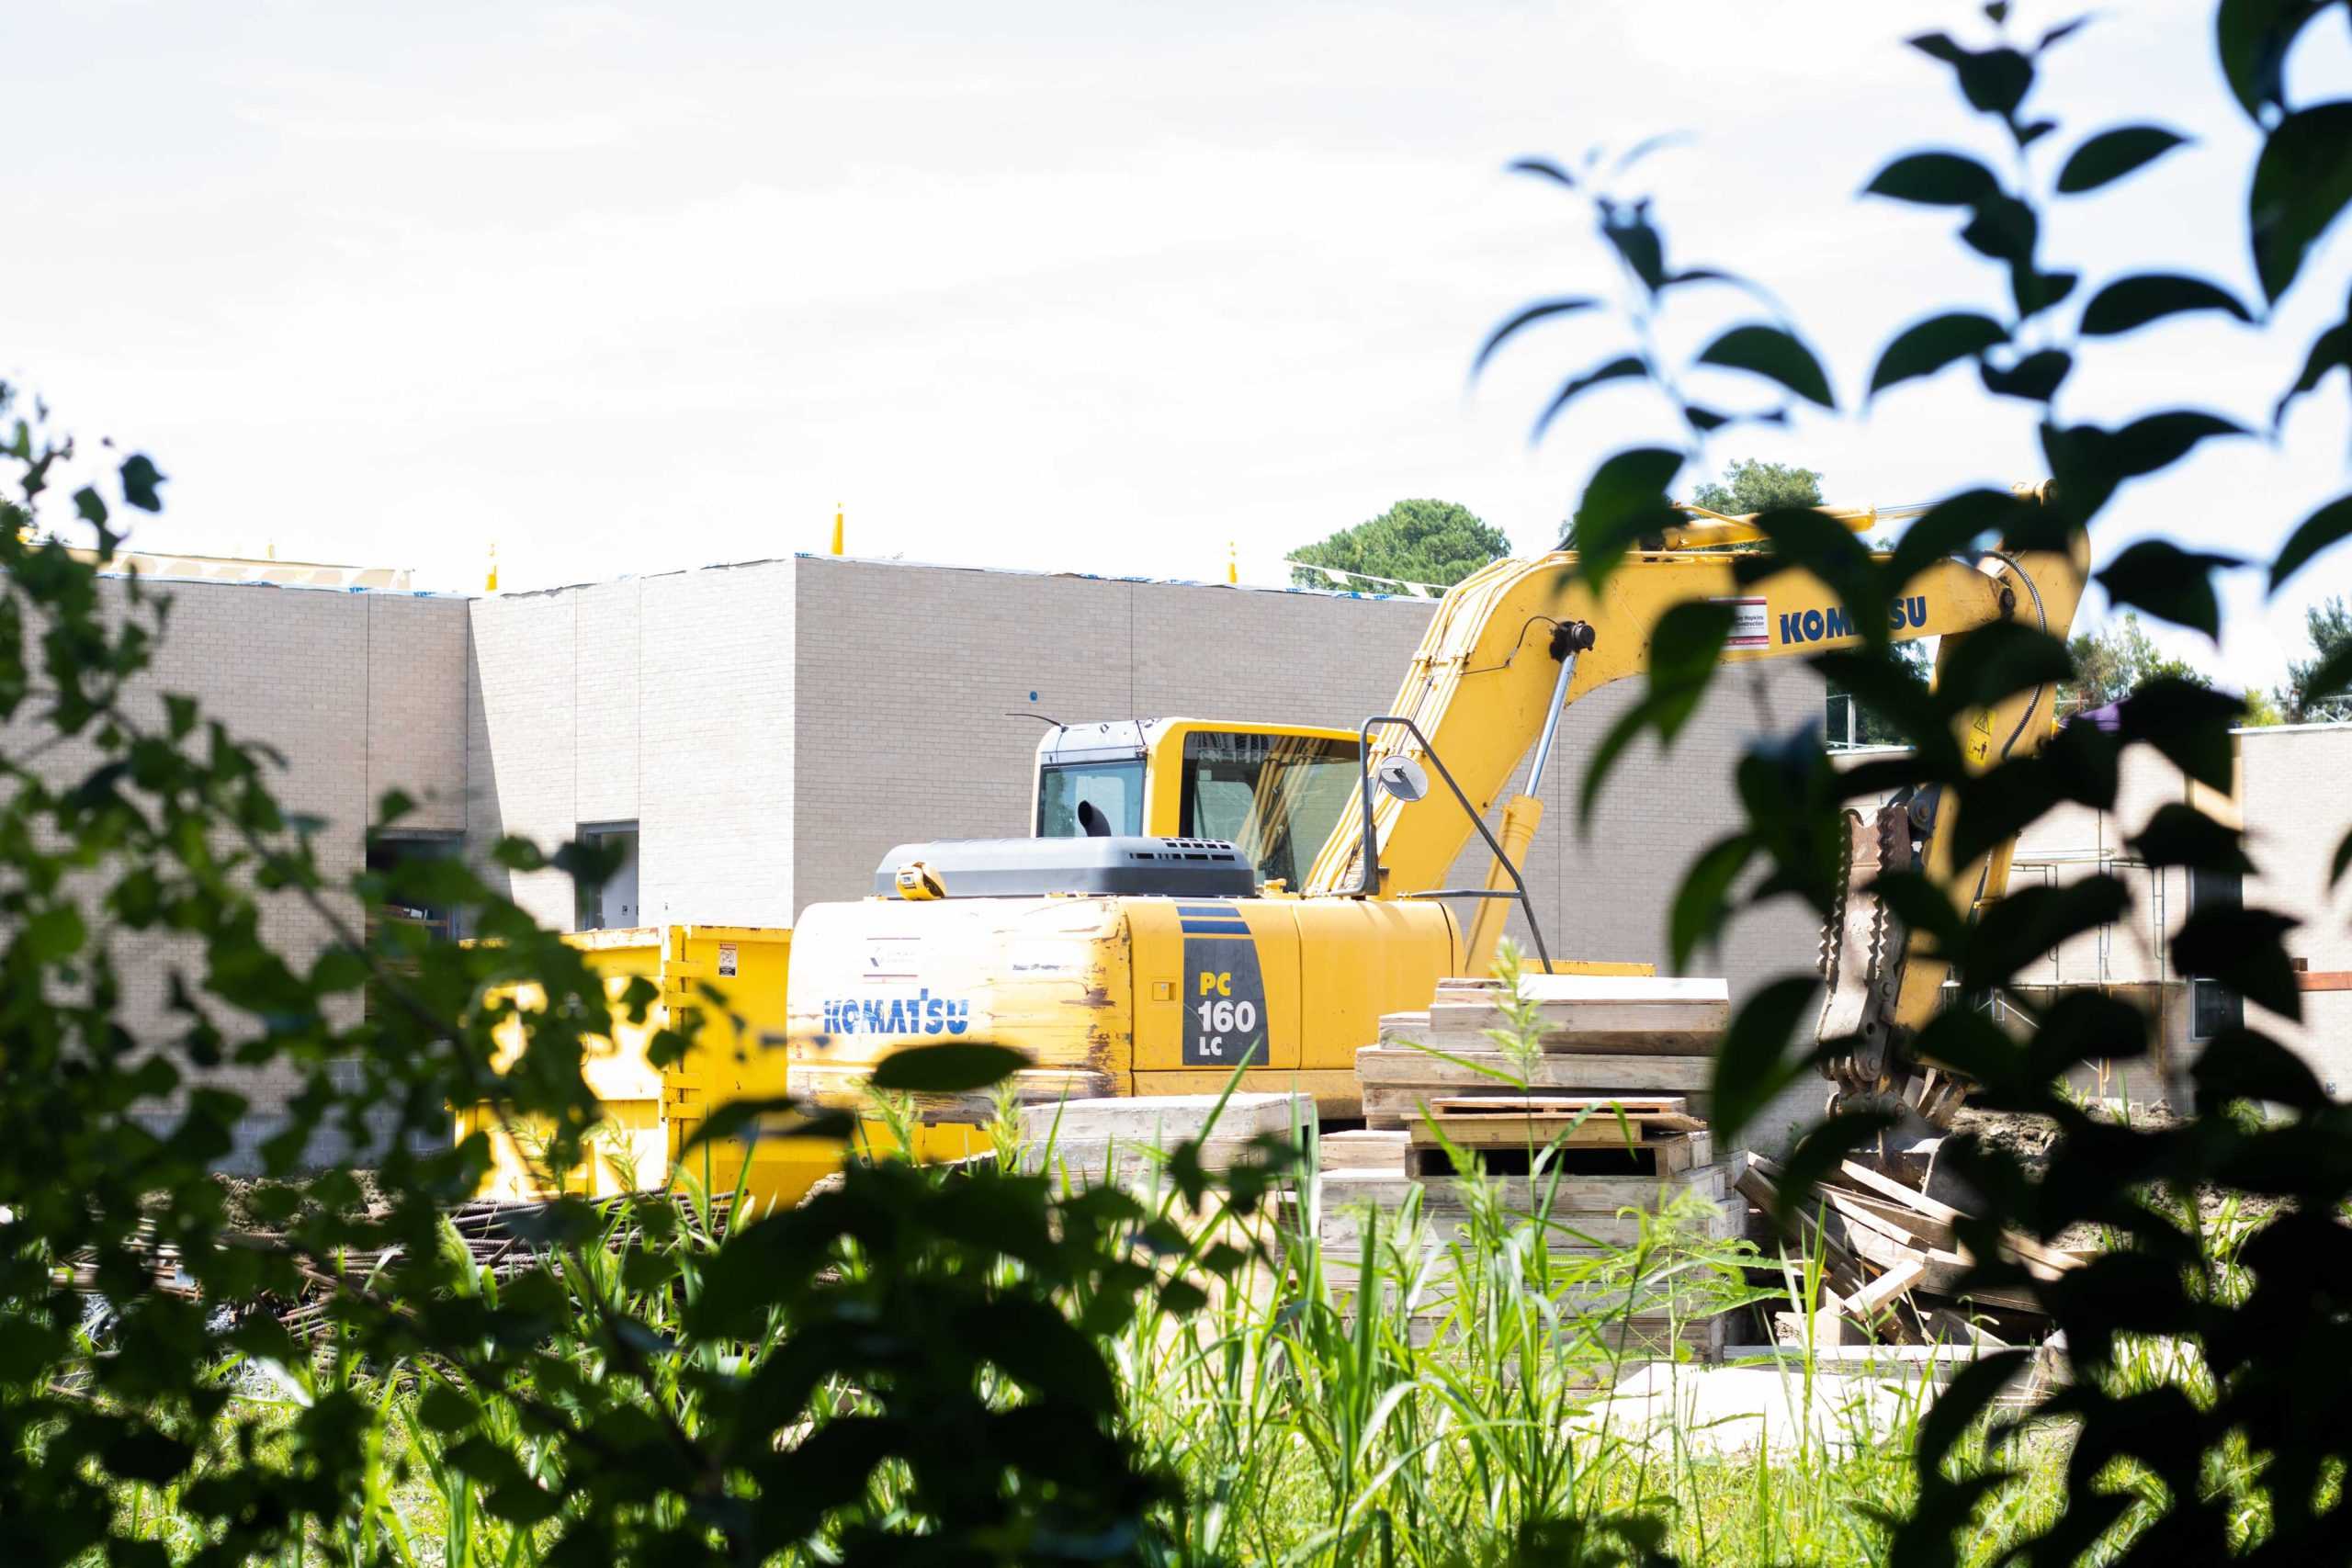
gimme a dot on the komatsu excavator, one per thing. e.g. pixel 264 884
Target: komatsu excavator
pixel 1202 896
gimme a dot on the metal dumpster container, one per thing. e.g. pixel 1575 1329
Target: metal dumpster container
pixel 651 1112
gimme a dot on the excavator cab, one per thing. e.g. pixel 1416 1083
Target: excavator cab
pixel 1275 792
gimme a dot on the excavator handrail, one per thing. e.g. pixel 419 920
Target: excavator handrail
pixel 1371 886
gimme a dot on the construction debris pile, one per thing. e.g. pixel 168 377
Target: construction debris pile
pixel 1892 1264
pixel 502 1237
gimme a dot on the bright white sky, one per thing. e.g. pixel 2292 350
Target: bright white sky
pixel 1074 286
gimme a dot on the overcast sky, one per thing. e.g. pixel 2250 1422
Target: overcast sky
pixel 1086 286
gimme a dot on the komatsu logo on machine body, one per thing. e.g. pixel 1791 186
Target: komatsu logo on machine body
pixel 921 1013
pixel 1812 626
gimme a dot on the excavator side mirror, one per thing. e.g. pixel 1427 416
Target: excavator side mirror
pixel 1402 777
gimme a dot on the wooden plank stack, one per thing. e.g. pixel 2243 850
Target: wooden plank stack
pixel 1589 1218
pixel 1126 1139
pixel 1618 1037
pixel 1609 1109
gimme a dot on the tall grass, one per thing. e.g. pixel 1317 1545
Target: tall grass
pixel 1435 1394
pixel 1429 1385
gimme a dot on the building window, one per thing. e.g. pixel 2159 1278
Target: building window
pixel 389 849
pixel 2213 1008
pixel 612 905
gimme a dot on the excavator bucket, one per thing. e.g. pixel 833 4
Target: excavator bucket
pixel 1862 951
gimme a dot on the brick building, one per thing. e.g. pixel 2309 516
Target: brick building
pixel 761 734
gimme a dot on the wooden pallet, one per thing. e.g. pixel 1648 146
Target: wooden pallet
pixel 1568 1118
pixel 1583 1212
pixel 1400 1078
pixel 1670 1156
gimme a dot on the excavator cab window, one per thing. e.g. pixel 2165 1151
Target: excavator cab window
pixel 1113 788
pixel 1276 797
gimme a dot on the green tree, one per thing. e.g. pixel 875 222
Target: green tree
pixel 1413 541
pixel 911 1365
pixel 2117 660
pixel 1750 485
pixel 2314 694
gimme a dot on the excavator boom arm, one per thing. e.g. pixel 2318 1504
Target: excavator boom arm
pixel 1483 683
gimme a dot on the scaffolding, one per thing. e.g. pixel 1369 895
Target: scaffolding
pixel 2104 860
pixel 2054 867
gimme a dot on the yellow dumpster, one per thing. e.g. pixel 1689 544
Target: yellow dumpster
pixel 651 1114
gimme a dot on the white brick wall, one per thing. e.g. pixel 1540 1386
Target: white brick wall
pixel 912 679
pixel 522 759
pixel 776 728
pixel 715 798
pixel 2298 807
pixel 416 706
pixel 361 693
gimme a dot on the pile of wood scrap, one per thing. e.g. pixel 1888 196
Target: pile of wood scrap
pixel 1894 1264
pixel 1615 1036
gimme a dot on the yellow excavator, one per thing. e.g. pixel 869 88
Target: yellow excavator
pixel 1197 896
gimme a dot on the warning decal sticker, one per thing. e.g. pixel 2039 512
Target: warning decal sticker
pixel 1750 627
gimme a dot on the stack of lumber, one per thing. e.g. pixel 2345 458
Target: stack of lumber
pixel 1608 1110
pixel 1588 1218
pixel 1620 1036
pixel 1127 1140
pixel 1894 1262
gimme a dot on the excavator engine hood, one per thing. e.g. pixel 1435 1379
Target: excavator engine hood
pixel 1047 976
pixel 1030 868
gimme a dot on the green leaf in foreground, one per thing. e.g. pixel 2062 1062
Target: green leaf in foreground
pixel 1935 179
pixel 1926 348
pixel 1774 353
pixel 2111 154
pixel 140 478
pixel 2169 582
pixel 1753 1063
pixel 957 1067
pixel 2322 528
pixel 2241 948
pixel 2300 183
pixel 2130 303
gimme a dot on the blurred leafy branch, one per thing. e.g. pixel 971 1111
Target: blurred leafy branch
pixel 910 1367
pixel 2269 1425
